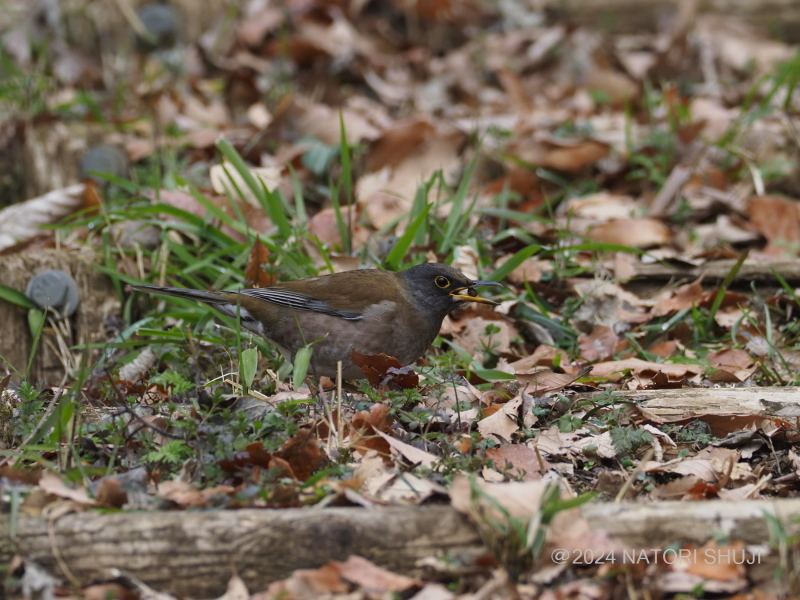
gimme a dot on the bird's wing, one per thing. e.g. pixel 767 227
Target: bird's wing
pixel 291 299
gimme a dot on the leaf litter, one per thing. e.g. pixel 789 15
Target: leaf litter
pixel 580 153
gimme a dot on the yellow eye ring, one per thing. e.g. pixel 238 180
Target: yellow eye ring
pixel 442 282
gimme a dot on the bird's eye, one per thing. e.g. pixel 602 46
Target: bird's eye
pixel 442 282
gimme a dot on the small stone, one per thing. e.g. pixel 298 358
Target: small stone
pixel 54 289
pixel 104 158
pixel 162 25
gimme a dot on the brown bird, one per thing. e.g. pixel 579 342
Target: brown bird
pixel 369 310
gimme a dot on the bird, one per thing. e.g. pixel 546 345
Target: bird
pixel 372 311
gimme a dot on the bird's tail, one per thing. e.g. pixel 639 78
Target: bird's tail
pixel 199 295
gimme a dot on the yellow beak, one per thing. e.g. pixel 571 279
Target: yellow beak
pixel 468 293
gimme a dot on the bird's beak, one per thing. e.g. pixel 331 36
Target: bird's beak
pixel 468 293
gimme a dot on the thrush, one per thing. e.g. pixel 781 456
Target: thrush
pixel 368 310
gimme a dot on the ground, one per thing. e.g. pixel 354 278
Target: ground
pixel 632 183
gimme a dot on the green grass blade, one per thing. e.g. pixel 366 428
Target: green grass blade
pixel 395 257
pixel 302 361
pixel 512 263
pixel 720 296
pixel 458 215
pixel 14 296
pixel 346 179
pixel 247 368
pixel 299 199
pixel 270 201
pixel 599 247
pixel 36 319
pixel 420 203
pixel 344 228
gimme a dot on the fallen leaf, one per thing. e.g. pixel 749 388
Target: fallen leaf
pixel 302 453
pixel 362 572
pixel 520 462
pixel 636 233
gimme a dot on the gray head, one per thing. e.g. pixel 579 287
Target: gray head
pixel 438 289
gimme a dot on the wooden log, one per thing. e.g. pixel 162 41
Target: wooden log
pixel 752 270
pixel 652 525
pixel 781 402
pixel 635 15
pixel 194 553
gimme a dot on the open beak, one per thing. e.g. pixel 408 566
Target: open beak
pixel 468 293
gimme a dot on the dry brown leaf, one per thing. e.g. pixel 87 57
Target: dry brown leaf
pixel 254 273
pixel 307 583
pixel 519 462
pixel 382 208
pixel 520 499
pixel 25 220
pixel 681 488
pixel 740 45
pixel 731 364
pixel 684 297
pixel 111 492
pixel 601 344
pixel 414 455
pixel 23 476
pixel 471 335
pixel 398 143
pixel 602 206
pixel 302 453
pixel 212 113
pixel 589 442
pixel 542 381
pixel 543 356
pixel 617 87
pixel 259 23
pixel 182 493
pixel 636 233
pixel 553 442
pixel 505 421
pixel 575 156
pixel 363 426
pixel 701 469
pixel 664 349
pixel 52 484
pixel 405 168
pixel 369 576
pixel 401 488
pixel 614 369
pixel 385 371
pixel 778 220
pixel 324 226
